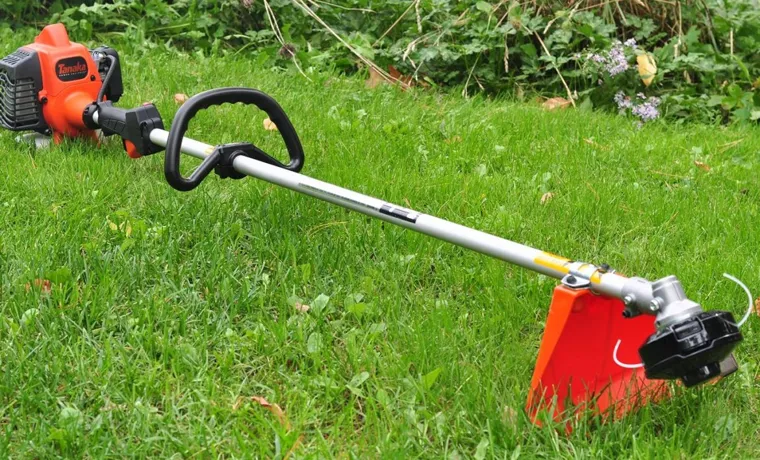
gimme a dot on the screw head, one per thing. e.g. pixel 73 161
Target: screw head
pixel 654 305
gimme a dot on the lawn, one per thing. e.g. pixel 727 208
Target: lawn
pixel 168 311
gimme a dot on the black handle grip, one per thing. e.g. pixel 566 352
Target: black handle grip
pixel 221 96
pixel 132 125
pixel 112 120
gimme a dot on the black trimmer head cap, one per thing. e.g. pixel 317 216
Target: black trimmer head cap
pixel 691 350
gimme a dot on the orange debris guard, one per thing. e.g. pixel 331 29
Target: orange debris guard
pixel 575 369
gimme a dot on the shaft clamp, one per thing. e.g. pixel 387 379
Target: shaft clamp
pixel 227 154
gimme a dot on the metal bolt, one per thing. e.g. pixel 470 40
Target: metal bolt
pixel 628 300
pixel 44 100
pixel 92 77
pixel 654 305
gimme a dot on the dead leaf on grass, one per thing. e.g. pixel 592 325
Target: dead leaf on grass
pixel 556 103
pixel 546 197
pixel 42 284
pixel 703 166
pixel 275 409
pixel 375 79
pixel 593 143
pixel 269 125
pixel 405 80
pixel 180 98
pixel 302 307
pixel 757 306
pixel 394 76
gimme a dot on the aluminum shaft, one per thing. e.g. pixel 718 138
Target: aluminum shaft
pixel 539 261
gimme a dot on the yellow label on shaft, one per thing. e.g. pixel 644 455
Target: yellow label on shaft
pixel 554 262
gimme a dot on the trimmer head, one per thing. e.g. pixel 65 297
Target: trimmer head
pixel 692 350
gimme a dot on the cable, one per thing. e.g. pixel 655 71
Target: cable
pixel 106 80
pixel 749 296
pixel 621 364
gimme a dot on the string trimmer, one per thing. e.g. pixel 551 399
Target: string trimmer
pixel 62 89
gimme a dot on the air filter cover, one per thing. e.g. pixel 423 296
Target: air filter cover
pixel 20 83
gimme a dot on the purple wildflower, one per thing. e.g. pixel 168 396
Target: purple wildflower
pixel 614 61
pixel 630 43
pixel 644 108
pixel 623 102
pixel 646 111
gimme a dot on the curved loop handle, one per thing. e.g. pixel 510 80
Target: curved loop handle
pixel 221 96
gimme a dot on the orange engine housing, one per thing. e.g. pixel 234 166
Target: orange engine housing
pixel 70 82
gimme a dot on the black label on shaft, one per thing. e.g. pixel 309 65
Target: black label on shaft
pixel 409 216
pixel 73 68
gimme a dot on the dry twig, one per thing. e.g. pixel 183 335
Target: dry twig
pixel 301 4
pixel 564 83
pixel 277 33
pixel 395 23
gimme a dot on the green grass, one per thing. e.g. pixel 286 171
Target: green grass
pixel 167 308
